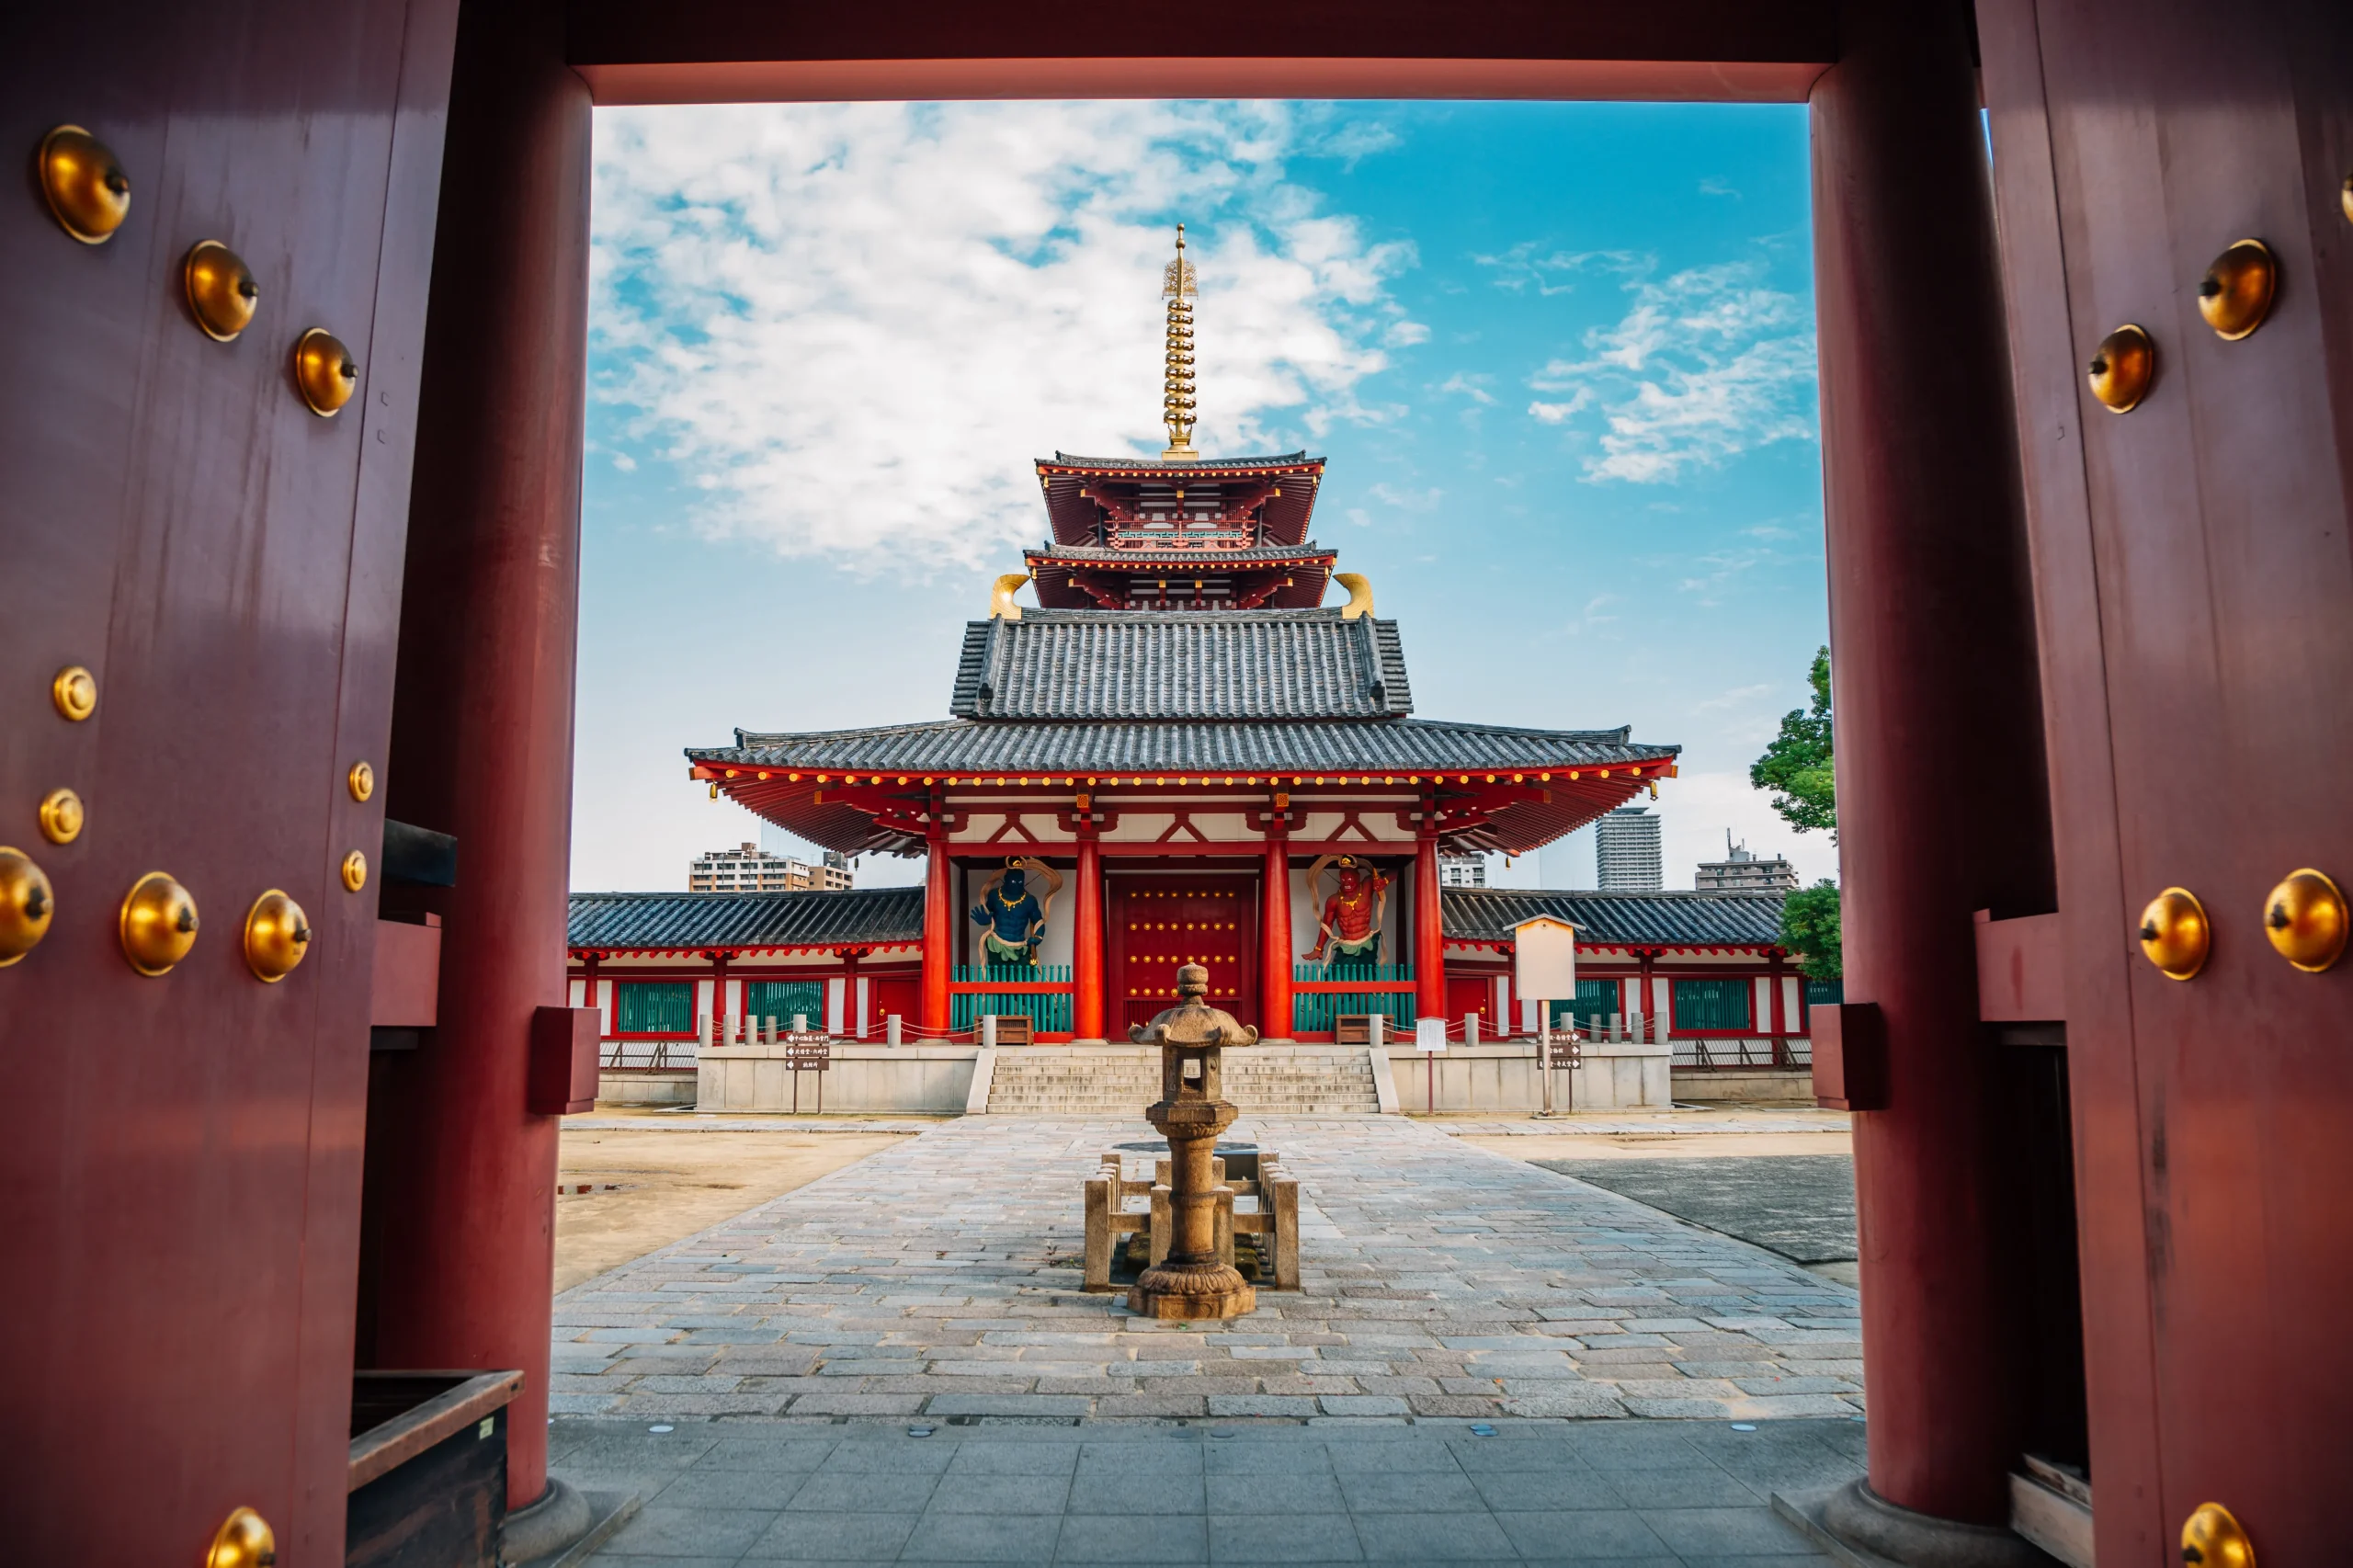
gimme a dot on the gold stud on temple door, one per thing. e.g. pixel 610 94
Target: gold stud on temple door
pixel 277 936
pixel 2122 368
pixel 28 903
pixel 221 293
pixel 2174 933
pixel 86 191
pixel 244 1541
pixel 2235 294
pixel 74 692
pixel 2213 1538
pixel 61 816
pixel 360 780
pixel 324 371
pixel 2305 918
pixel 158 923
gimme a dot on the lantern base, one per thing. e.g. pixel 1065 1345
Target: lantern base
pixel 1190 1290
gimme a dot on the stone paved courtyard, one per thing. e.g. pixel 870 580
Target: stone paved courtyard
pixel 940 1277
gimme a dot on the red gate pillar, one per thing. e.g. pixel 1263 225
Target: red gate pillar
pixel 1934 672
pixel 481 723
pixel 1429 935
pixel 1275 1018
pixel 1086 938
pixel 938 930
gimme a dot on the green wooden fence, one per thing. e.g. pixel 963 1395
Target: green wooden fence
pixel 1315 1012
pixel 1047 1011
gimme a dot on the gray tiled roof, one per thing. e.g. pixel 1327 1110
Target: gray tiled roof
pixel 1666 919
pixel 986 745
pixel 1181 665
pixel 1139 465
pixel 668 921
pixel 1146 557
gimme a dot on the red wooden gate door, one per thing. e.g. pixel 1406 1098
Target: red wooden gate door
pixel 1160 923
pixel 179 1194
pixel 2196 602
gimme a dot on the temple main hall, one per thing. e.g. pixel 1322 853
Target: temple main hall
pixel 1180 753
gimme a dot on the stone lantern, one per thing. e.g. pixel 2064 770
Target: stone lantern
pixel 1191 1282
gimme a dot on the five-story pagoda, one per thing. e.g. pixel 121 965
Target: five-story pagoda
pixel 1180 756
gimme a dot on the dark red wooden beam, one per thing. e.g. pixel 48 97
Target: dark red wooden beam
pixel 746 50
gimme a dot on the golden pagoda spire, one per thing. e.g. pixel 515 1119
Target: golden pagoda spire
pixel 1177 391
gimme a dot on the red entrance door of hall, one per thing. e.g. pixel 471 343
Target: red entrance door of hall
pixel 1159 922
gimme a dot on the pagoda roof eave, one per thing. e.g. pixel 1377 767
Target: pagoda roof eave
pixel 777 777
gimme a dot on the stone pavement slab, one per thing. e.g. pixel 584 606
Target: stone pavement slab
pixel 1671 1495
pixel 940 1276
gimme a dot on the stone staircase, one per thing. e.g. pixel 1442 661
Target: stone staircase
pixel 1301 1080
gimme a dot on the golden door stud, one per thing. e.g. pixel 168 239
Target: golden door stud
pixel 277 936
pixel 61 816
pixel 85 188
pixel 158 923
pixel 2175 934
pixel 2122 368
pixel 2305 918
pixel 355 871
pixel 74 693
pixel 221 293
pixel 2213 1538
pixel 325 371
pixel 360 780
pixel 27 905
pixel 2236 293
pixel 244 1541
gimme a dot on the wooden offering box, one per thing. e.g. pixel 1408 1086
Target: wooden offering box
pixel 429 1469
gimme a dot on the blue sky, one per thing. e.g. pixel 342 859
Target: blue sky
pixel 1560 356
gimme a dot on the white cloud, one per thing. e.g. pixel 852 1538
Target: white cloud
pixel 1704 365
pixel 1470 384
pixel 853 323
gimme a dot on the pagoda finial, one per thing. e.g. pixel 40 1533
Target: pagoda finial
pixel 1176 391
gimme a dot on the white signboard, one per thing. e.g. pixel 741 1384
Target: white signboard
pixel 1429 1034
pixel 1545 959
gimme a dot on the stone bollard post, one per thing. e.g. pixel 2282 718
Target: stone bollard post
pixel 890 1030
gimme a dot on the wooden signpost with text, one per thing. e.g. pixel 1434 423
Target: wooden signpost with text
pixel 808 1052
pixel 1545 970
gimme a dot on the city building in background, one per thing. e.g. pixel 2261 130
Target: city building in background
pixel 1742 872
pixel 1462 870
pixel 750 868
pixel 1626 850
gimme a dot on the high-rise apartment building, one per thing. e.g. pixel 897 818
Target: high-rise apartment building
pixel 1627 847
pixel 1741 872
pixel 1462 870
pixel 752 869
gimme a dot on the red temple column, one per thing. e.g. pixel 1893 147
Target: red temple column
pixel 1086 938
pixel 718 998
pixel 1646 990
pixel 1942 804
pixel 939 931
pixel 482 719
pixel 1430 935
pixel 1275 1021
pixel 853 1025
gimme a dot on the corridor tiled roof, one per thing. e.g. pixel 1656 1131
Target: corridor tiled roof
pixel 667 922
pixel 1181 665
pixel 1665 919
pixel 1177 549
pixel 981 745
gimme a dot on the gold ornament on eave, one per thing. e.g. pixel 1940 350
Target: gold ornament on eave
pixel 1176 283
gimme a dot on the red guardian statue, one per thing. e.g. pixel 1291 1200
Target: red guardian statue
pixel 1348 929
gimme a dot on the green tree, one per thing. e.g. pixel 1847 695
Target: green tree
pixel 1796 766
pixel 1810 930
